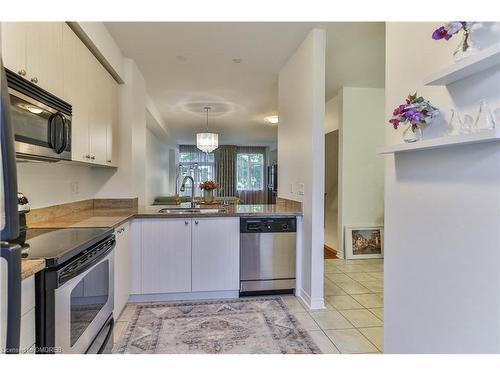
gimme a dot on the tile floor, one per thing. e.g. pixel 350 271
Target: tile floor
pixel 353 319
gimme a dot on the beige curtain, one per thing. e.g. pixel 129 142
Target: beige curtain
pixel 225 170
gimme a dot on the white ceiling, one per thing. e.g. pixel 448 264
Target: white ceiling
pixel 355 55
pixel 190 65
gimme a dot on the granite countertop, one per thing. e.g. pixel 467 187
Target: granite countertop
pixel 31 266
pixel 113 217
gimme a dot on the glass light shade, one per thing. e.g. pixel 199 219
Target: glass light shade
pixel 207 142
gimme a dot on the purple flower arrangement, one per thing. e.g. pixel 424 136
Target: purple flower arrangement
pixel 415 111
pixel 450 29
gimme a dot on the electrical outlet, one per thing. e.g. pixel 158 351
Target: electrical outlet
pixel 74 187
pixel 300 188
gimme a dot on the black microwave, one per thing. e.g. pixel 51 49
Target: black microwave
pixel 41 121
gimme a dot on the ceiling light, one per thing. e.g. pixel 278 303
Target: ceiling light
pixel 272 119
pixel 207 142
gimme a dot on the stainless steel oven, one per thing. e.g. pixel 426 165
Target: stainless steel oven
pixel 41 121
pixel 77 300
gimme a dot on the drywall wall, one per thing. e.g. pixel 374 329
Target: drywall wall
pixel 47 184
pixel 301 155
pixel 331 189
pixel 442 209
pixel 332 114
pixel 157 167
pixel 361 171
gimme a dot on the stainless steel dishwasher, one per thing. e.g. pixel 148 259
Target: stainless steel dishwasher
pixel 267 255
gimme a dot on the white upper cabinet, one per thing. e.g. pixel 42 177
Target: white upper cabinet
pixel 215 254
pixel 34 51
pixel 52 56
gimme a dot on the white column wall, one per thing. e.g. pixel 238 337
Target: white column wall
pixel 442 210
pixel 301 155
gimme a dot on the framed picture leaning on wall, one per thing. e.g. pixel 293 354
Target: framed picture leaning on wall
pixel 364 242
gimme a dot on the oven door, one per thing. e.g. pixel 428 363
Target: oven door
pixel 40 131
pixel 83 305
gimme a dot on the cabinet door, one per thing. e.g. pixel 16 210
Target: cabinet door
pixel 14 46
pixel 123 268
pixel 77 59
pixel 216 254
pixel 112 122
pixel 99 102
pixel 166 255
pixel 44 56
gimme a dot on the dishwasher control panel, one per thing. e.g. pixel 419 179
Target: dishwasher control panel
pixel 268 225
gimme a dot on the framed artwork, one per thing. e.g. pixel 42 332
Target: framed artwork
pixel 364 242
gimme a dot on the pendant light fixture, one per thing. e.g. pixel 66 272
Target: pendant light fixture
pixel 207 142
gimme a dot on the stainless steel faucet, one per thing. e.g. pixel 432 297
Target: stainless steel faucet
pixel 183 188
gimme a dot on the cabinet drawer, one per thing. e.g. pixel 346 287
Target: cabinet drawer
pixel 27 331
pixel 27 294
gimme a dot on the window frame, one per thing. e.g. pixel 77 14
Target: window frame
pixel 249 166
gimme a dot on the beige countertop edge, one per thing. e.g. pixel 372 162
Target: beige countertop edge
pixel 31 266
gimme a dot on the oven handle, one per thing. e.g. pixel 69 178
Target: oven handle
pixel 63 277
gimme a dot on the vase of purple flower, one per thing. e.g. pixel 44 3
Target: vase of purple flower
pixel 417 113
pixel 466 46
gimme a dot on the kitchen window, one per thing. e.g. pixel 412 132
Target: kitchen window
pixel 249 172
pixel 197 164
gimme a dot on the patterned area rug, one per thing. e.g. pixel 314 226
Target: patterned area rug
pixel 239 326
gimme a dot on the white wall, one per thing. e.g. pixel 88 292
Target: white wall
pixel 331 190
pixel 332 114
pixel 361 171
pixel 442 210
pixel 301 154
pixel 157 167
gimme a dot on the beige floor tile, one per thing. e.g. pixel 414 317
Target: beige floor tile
pixel 118 331
pixel 352 268
pixel 375 286
pixel 369 300
pixel 323 342
pixel 332 269
pixel 353 287
pixel 332 289
pixel 306 321
pixel 376 275
pixel 293 304
pixel 361 318
pixel 360 276
pixel 351 341
pixel 330 320
pixel 375 335
pixel 343 302
pixel 336 277
pixel 378 312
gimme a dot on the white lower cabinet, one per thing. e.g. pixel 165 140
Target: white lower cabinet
pixel 166 256
pixel 215 253
pixel 27 340
pixel 123 268
pixel 187 255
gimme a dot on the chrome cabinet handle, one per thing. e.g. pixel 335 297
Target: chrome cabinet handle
pixel 186 222
pixel 109 161
pixel 196 222
pixel 34 80
pixel 22 72
pixel 86 156
pixel 92 157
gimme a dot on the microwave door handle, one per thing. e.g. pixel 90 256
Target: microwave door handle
pixel 12 254
pixel 51 133
pixel 62 133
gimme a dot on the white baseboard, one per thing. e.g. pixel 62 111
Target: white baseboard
pixel 308 303
pixel 164 297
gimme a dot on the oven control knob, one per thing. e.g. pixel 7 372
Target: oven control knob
pixel 284 226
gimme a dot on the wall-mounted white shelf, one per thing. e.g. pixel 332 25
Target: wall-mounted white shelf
pixel 469 66
pixel 452 140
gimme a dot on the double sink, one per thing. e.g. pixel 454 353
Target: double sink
pixel 200 210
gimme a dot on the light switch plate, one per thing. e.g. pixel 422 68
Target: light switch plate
pixel 300 188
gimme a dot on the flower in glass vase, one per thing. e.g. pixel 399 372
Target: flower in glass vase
pixel 465 48
pixel 416 112
pixel 208 188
